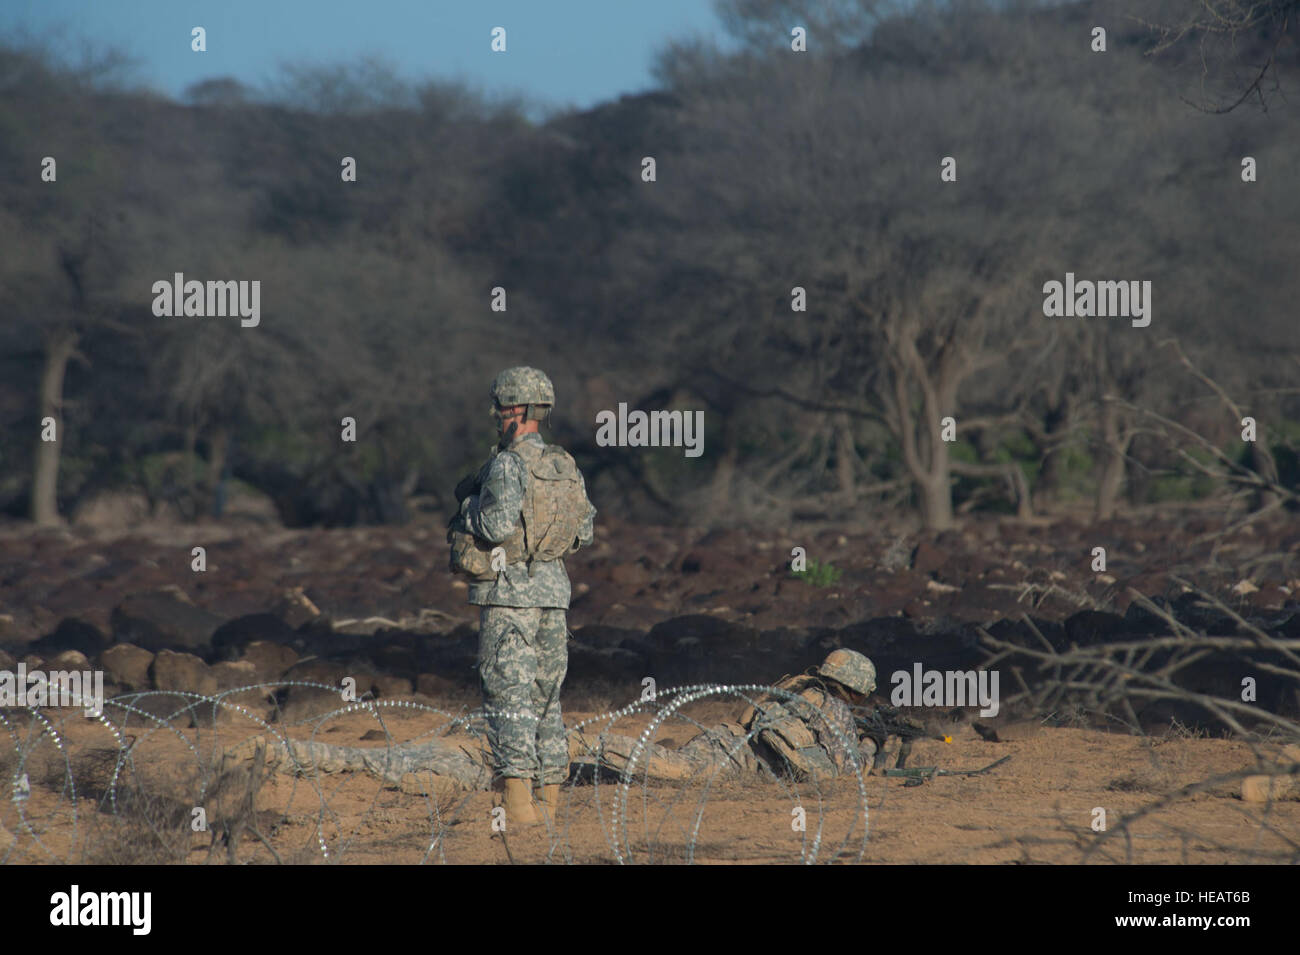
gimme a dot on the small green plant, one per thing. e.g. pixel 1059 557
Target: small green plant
pixel 819 574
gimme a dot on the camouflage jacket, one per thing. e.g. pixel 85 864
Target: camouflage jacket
pixel 493 514
pixel 812 734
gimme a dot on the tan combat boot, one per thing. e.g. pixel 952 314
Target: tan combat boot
pixel 520 809
pixel 548 798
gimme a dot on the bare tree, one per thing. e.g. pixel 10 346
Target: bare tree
pixel 59 285
pixel 906 303
pixel 831 24
pixel 1237 43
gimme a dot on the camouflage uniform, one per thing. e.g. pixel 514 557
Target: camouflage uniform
pixel 788 737
pixel 813 737
pixel 523 654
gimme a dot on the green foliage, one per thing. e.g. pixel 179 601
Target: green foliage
pixel 287 445
pixel 819 574
pixel 1185 483
pixel 1180 487
pixel 1015 446
pixel 1076 471
pixel 1284 431
pixel 963 450
pixel 164 474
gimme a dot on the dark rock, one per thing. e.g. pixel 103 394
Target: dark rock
pixel 598 635
pixel 1088 627
pixel 1158 717
pixel 1141 620
pixel 436 686
pixel 72 634
pixel 299 701
pixel 390 687
pixel 320 639
pixel 604 665
pixel 1192 611
pixel 269 660
pixel 230 638
pixel 395 658
pixel 162 620
pixel 328 672
pixel 929 558
pixel 894 643
pixel 1012 631
pixel 791 642
pixel 872 637
pixel 703 627
pixel 638 618
pixel 232 674
pixel 450 654
pixel 698 648
pixel 1052 631
pixel 68 660
pixel 182 671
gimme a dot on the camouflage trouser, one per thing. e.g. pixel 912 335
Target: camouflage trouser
pixel 522 659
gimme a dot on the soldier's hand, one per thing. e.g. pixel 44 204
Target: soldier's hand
pixel 467 486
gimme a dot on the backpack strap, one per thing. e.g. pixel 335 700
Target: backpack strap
pixel 530 454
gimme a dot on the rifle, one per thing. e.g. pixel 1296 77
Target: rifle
pixel 919 774
pixel 466 486
pixel 885 721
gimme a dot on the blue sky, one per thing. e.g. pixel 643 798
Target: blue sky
pixel 563 52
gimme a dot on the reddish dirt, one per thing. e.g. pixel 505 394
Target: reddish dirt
pixel 636 576
pixel 1038 807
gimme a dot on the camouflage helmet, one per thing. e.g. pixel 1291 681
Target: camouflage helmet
pixel 524 386
pixel 850 668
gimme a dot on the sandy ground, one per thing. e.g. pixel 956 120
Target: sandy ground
pixel 1039 807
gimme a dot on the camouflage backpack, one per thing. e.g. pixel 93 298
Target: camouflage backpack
pixel 473 557
pixel 799 733
pixel 554 508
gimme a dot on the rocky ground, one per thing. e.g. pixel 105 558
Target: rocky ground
pixel 682 606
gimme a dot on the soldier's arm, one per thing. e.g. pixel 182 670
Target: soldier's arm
pixel 587 530
pixel 493 513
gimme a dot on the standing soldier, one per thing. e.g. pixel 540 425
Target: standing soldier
pixel 519 516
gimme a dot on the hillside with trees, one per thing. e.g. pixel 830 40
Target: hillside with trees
pixel 798 268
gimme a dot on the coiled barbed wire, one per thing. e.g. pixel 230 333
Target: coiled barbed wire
pixel 133 719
